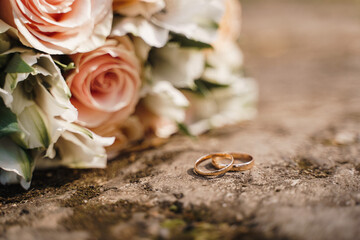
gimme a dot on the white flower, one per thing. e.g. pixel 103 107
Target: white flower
pixel 222 106
pixel 37 98
pixel 77 147
pixel 226 58
pixel 164 108
pixel 141 49
pixel 179 66
pixel 5 32
pixel 224 61
pixel 166 101
pixel 195 19
pixel 16 166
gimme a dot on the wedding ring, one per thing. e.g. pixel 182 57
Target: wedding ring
pixel 221 170
pixel 248 162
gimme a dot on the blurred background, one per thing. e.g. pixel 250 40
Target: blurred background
pixel 303 51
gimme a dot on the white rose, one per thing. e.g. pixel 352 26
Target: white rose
pixel 195 19
pixel 224 61
pixel 177 65
pixel 222 106
pixel 165 100
pixel 163 108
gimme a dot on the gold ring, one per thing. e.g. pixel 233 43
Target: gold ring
pixel 220 170
pixel 246 165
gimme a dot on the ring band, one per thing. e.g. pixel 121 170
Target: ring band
pixel 221 170
pixel 248 164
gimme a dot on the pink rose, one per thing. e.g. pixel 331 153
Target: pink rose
pixel 59 26
pixel 105 84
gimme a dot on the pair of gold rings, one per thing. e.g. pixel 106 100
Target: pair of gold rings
pixel 216 158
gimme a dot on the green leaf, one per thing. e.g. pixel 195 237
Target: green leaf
pixel 203 87
pixel 210 85
pixel 8 121
pixel 188 43
pixel 65 67
pixel 185 130
pixel 18 65
pixel 200 88
pixel 2 79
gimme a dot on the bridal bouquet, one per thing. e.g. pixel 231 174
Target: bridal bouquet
pixel 80 81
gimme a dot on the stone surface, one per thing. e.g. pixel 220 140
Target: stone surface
pixel 306 143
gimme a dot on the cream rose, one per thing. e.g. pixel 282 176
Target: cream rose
pixel 105 84
pixel 59 27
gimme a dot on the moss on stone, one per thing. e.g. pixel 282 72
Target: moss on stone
pixel 308 168
pixel 81 196
pixel 98 219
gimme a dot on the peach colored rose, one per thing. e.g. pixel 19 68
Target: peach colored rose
pixel 59 26
pixel 105 84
